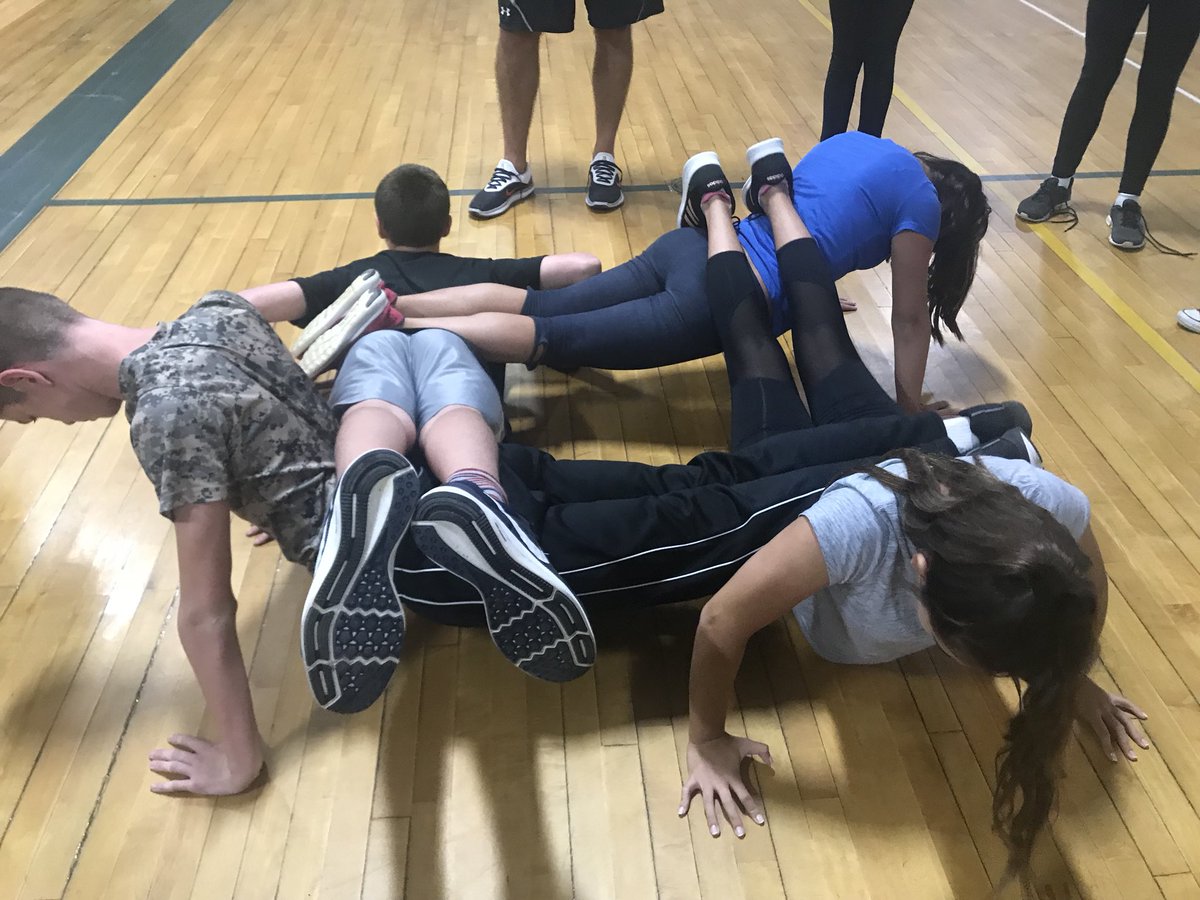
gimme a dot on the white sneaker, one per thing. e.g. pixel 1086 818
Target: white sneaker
pixel 333 342
pixel 1189 319
pixel 367 281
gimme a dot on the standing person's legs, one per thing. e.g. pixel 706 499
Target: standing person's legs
pixel 522 23
pixel 1110 28
pixel 879 63
pixel 850 18
pixel 612 70
pixel 1170 38
pixel 518 71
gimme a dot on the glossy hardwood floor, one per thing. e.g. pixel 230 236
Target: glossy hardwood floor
pixel 470 780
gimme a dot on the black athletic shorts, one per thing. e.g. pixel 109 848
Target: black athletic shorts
pixel 558 16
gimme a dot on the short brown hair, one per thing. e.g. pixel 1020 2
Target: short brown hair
pixel 32 328
pixel 413 206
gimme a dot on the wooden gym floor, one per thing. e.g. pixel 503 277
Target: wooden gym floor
pixel 472 781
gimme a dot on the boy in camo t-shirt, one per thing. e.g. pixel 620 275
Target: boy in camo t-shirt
pixel 223 420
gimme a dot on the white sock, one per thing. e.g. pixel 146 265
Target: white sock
pixel 1065 182
pixel 510 166
pixel 607 157
pixel 1121 198
pixel 958 429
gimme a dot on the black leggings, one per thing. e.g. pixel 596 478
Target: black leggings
pixel 1171 35
pixel 865 36
pixel 764 400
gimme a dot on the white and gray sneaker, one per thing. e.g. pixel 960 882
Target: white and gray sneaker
pixel 1189 319
pixel 330 343
pixel 534 619
pixel 506 187
pixel 365 283
pixel 352 627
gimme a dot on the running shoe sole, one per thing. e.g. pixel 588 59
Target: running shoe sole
pixel 534 618
pixel 690 168
pixel 513 200
pixel 352 628
pixel 325 350
pixel 1061 208
pixel 367 281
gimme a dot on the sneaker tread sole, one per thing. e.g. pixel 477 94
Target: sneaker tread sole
pixel 534 620
pixel 353 625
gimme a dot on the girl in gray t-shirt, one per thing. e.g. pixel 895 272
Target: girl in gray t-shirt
pixel 992 559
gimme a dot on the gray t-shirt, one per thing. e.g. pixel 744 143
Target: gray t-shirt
pixel 868 613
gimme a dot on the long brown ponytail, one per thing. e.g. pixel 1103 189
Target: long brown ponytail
pixel 1006 588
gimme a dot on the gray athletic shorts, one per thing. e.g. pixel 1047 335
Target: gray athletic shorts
pixel 422 372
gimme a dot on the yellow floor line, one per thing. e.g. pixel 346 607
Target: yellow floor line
pixel 1087 275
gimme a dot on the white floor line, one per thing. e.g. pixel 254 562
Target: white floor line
pixel 1128 61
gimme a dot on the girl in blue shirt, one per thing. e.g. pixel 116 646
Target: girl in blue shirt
pixel 866 199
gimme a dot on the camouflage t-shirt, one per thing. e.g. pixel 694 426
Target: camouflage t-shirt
pixel 218 410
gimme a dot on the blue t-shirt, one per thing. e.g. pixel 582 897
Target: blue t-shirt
pixel 855 192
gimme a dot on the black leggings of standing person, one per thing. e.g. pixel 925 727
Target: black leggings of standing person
pixel 1170 37
pixel 865 36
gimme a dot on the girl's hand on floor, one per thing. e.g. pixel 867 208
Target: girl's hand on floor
pixel 1114 720
pixel 715 773
pixel 847 305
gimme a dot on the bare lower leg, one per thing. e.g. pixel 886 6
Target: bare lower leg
pixel 459 438
pixel 612 71
pixel 562 269
pixel 721 235
pixel 462 301
pixel 781 212
pixel 372 425
pixel 499 337
pixel 517 72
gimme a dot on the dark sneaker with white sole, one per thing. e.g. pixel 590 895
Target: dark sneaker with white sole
pixel 506 187
pixel 991 420
pixel 1127 226
pixel 352 628
pixel 1049 200
pixel 1013 444
pixel 769 167
pixel 604 183
pixel 534 618
pixel 702 175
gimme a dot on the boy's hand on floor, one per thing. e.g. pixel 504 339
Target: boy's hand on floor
pixel 847 305
pixel 202 767
pixel 257 536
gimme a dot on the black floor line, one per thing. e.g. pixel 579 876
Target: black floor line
pixel 467 192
